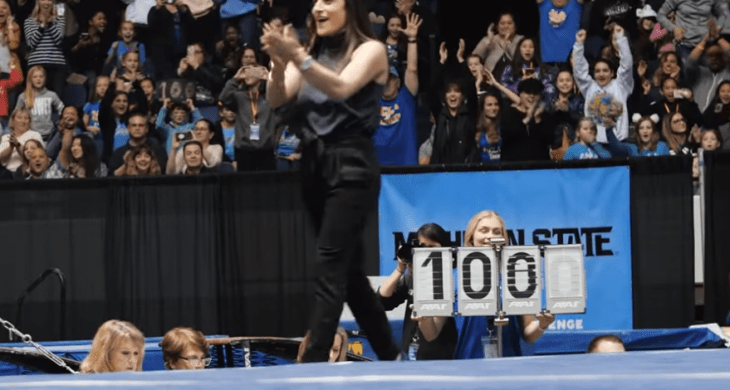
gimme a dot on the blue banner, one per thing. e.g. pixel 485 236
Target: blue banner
pixel 589 206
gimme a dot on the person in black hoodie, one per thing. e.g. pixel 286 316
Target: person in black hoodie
pixel 424 338
pixel 527 130
pixel 114 111
pixel 717 113
pixel 453 141
pixel 673 100
pixel 171 26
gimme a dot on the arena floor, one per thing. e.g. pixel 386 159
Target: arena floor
pixel 695 369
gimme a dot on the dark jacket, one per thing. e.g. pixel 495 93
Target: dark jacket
pixel 716 115
pixel 443 347
pixel 162 51
pixel 453 140
pixel 207 76
pixel 688 108
pixel 107 121
pixel 529 142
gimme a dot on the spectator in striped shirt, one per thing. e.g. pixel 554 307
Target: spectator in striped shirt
pixel 44 31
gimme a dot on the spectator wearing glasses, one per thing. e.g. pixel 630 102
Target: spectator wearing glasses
pixel 204 158
pixel 679 138
pixel 138 137
pixel 185 349
pixel 674 99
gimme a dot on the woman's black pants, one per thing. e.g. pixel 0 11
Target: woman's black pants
pixel 341 187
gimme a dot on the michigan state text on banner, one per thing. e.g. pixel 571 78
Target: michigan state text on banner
pixel 588 206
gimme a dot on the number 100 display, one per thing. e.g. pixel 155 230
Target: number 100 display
pixel 478 276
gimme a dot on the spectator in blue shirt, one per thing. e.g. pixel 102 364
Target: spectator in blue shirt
pixel 647 140
pixel 586 146
pixel 395 139
pixel 180 120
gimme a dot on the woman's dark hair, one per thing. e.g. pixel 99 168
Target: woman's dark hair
pixel 192 142
pixel 92 93
pixel 654 140
pixel 154 164
pixel 90 159
pixel 436 233
pixel 717 133
pixel 211 126
pixel 511 15
pixel 488 127
pixel 179 106
pixel 357 30
pixel 117 93
pixel 148 79
pixel 659 75
pixel 79 115
pixel 673 140
pixel 518 62
pixel 667 78
pixel 256 54
pixel 452 85
pixel 716 96
pixel 597 61
pixel 202 49
pixel 401 37
pixel 228 25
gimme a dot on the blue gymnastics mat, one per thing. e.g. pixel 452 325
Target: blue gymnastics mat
pixel 684 369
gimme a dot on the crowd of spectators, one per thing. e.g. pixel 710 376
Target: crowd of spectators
pixel 602 79
pixel 147 87
pixel 137 87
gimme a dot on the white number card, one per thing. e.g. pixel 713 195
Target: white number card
pixel 521 280
pixel 565 279
pixel 478 284
pixel 433 287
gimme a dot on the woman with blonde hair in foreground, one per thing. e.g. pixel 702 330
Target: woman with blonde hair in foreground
pixel 117 346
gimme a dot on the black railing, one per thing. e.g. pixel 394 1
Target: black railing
pixel 33 286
